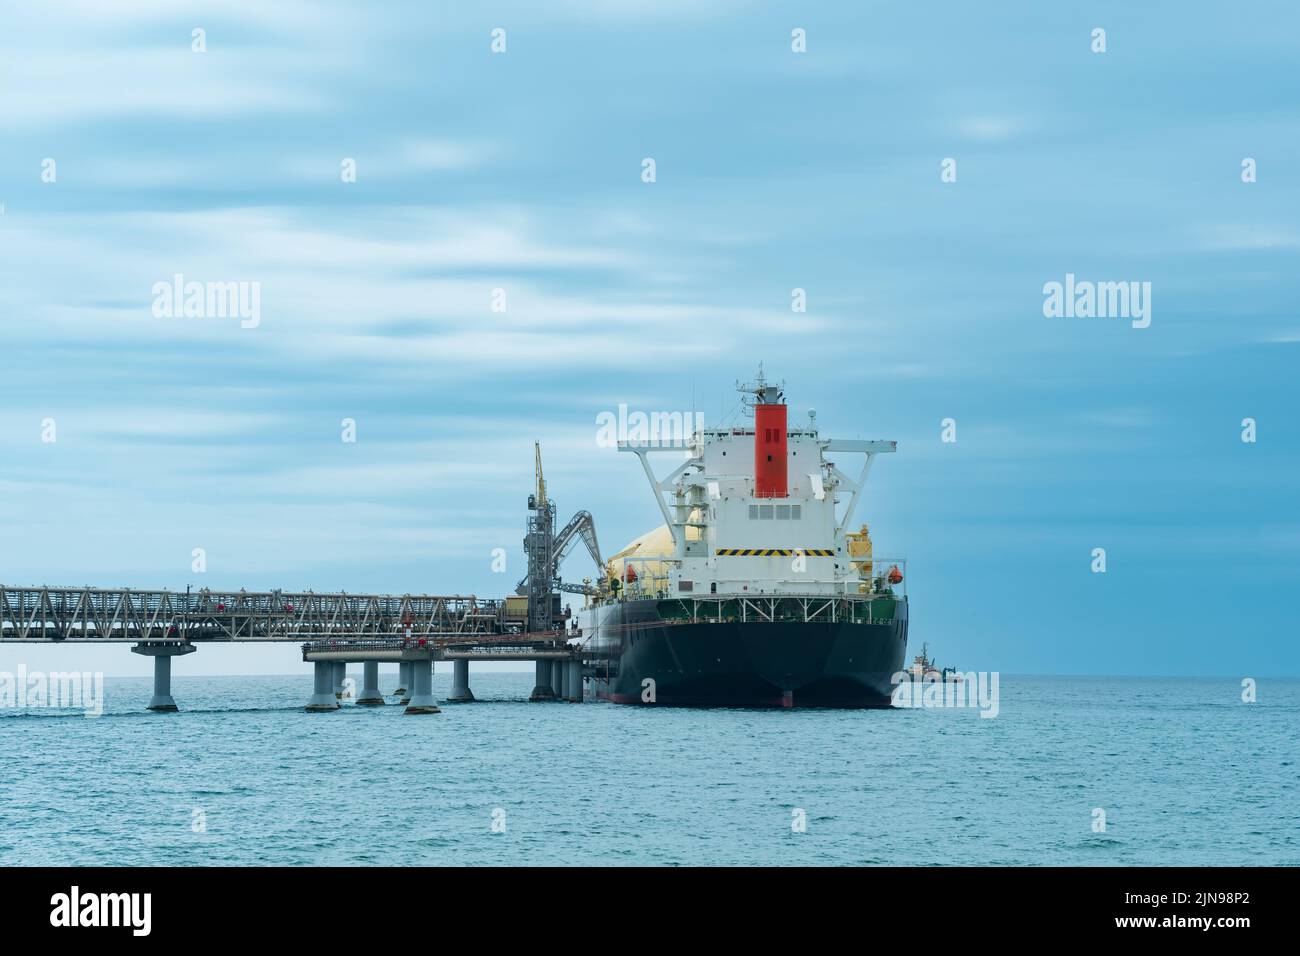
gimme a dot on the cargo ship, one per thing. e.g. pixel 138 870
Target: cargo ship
pixel 753 592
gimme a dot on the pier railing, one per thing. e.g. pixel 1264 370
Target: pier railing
pixel 440 642
pixel 124 614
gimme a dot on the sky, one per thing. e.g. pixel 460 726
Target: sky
pixel 774 170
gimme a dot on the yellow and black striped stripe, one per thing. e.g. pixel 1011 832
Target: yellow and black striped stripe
pixel 773 552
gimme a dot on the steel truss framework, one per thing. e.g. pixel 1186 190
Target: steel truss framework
pixel 107 615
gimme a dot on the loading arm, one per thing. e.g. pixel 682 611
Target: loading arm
pixel 580 525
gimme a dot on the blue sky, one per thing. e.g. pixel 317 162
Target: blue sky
pixel 775 171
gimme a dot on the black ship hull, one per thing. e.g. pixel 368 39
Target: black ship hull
pixel 639 655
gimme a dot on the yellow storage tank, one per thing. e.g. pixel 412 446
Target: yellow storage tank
pixel 646 555
pixel 859 544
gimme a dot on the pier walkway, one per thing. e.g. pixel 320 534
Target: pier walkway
pixel 411 630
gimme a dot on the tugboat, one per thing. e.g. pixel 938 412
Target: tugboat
pixel 751 593
pixel 924 669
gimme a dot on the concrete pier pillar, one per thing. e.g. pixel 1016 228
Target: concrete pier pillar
pixel 370 695
pixel 542 690
pixel 557 679
pixel 322 698
pixel 408 682
pixel 403 680
pixel 573 681
pixel 340 675
pixel 162 698
pixel 162 654
pixel 422 699
pixel 460 692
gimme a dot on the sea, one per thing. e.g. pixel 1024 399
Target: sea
pixel 1072 771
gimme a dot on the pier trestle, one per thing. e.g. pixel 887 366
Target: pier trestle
pixel 322 698
pixel 559 668
pixel 162 653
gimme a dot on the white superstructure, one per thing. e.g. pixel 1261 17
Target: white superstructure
pixel 741 523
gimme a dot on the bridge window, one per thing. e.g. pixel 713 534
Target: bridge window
pixel 782 512
pixel 765 512
pixel 753 512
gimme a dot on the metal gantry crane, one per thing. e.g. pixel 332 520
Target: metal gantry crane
pixel 546 550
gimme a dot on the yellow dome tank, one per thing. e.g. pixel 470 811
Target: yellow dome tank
pixel 645 554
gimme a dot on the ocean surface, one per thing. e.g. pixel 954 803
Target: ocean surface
pixel 1185 772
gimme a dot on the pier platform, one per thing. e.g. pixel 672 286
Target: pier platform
pixel 335 629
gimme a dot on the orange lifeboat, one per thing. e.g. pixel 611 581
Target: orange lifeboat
pixel 895 575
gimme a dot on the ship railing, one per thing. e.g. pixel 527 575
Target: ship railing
pixel 878 581
pixel 772 608
pixel 648 586
pixel 878 578
pixel 644 582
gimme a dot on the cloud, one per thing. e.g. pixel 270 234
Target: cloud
pixel 1120 418
pixel 1247 238
pixel 988 128
pixel 408 287
pixel 384 162
pixel 675 10
pixel 99 423
pixel 157 85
